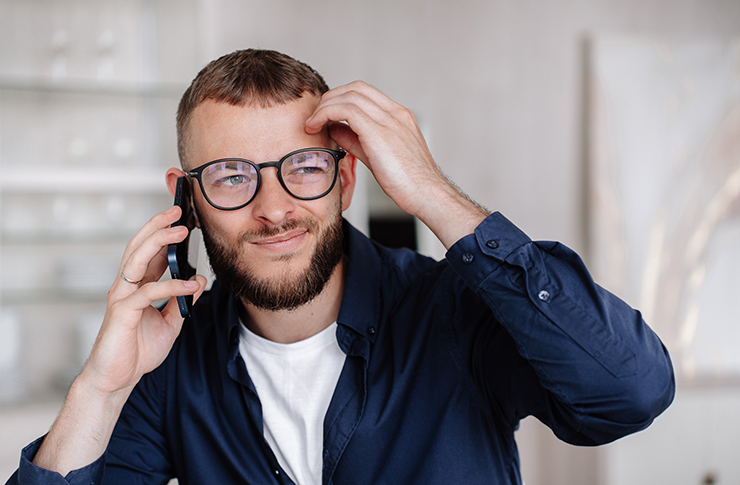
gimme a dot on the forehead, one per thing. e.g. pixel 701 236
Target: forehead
pixel 221 130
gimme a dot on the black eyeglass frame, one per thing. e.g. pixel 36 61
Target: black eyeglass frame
pixel 337 155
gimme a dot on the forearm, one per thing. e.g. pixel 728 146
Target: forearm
pixel 81 433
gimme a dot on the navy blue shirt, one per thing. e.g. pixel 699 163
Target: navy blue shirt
pixel 443 361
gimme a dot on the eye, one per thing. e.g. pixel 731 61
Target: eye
pixel 233 180
pixel 307 170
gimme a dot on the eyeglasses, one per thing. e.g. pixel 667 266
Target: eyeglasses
pixel 232 183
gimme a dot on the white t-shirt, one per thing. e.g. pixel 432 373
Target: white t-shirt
pixel 295 383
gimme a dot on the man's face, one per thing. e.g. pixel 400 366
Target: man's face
pixel 277 252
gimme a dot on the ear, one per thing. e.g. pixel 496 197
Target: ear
pixel 172 175
pixel 347 178
pixel 171 178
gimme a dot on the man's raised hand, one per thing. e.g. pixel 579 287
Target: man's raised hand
pixel 385 136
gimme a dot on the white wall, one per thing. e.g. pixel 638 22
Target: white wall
pixel 695 439
pixel 499 83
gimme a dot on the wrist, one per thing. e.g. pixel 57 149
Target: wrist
pixel 450 214
pixel 87 387
pixel 81 433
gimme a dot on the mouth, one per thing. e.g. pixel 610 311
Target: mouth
pixel 286 241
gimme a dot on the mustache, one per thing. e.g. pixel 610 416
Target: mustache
pixel 268 231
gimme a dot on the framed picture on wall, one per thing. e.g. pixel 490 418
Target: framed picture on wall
pixel 664 191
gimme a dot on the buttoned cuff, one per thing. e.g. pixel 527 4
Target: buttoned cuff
pixel 493 241
pixel 28 473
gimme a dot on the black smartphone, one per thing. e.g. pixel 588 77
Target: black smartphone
pixel 178 255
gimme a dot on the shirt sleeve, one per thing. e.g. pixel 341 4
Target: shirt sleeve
pixel 136 454
pixel 30 474
pixel 573 354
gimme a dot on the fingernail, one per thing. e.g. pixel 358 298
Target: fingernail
pixel 169 210
pixel 175 228
pixel 190 284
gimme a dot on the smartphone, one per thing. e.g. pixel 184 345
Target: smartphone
pixel 179 255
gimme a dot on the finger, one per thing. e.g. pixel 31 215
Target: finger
pixel 352 107
pixel 369 121
pixel 157 266
pixel 159 221
pixel 343 135
pixel 202 282
pixel 369 97
pixel 388 106
pixel 366 135
pixel 366 129
pixel 148 261
pixel 366 90
pixel 147 294
pixel 197 284
pixel 129 312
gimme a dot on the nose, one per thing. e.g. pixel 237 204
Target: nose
pixel 272 204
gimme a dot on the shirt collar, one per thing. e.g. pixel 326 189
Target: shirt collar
pixel 359 310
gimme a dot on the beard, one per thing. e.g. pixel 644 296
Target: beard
pixel 287 291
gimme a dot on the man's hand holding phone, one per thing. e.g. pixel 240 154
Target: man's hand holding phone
pixel 134 339
pixel 137 326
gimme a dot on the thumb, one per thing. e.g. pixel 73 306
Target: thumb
pixel 202 282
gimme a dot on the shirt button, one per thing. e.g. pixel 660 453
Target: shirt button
pixel 544 295
pixel 467 258
pixel 492 243
pixel 276 472
pixel 371 330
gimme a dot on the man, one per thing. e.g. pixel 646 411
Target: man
pixel 319 356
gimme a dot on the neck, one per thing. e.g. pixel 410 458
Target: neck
pixel 289 326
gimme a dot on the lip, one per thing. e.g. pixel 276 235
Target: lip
pixel 286 241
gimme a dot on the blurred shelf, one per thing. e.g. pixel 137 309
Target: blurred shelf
pixel 52 296
pixel 22 423
pixel 84 179
pixel 55 296
pixel 158 89
pixel 12 240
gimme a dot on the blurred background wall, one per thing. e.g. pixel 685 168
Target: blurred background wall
pixel 88 90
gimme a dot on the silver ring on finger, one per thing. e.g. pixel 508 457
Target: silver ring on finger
pixel 129 280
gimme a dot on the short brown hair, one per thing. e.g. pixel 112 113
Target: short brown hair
pixel 245 77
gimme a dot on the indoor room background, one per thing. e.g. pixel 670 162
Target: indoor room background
pixel 612 126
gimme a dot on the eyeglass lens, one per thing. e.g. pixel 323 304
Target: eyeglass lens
pixel 305 175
